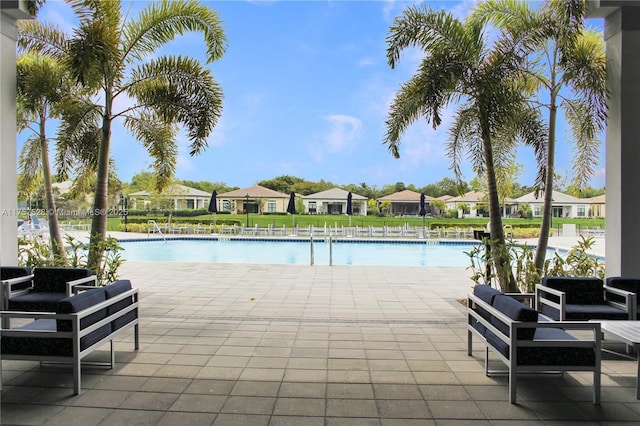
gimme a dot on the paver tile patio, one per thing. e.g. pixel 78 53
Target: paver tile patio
pixel 226 344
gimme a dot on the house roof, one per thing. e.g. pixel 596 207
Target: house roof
pixel 256 191
pixel 333 194
pixel 407 196
pixel 445 197
pixel 557 197
pixel 469 197
pixel 598 199
pixel 175 190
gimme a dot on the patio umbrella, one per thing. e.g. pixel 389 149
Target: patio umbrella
pixel 291 207
pixel 213 206
pixel 349 206
pixel 423 210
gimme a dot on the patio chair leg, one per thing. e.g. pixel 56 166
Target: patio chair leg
pixel 512 385
pixel 113 355
pixel 76 376
pixel 136 336
pixel 486 361
pixel 469 343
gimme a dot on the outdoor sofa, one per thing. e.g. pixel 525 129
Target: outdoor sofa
pixel 527 342
pixel 79 325
pixel 583 299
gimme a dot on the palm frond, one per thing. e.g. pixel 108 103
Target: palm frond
pixel 158 137
pixel 429 30
pixel 33 36
pixel 30 161
pixel 586 74
pixel 586 145
pixel 163 22
pixel 179 90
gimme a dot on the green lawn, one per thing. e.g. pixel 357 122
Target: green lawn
pixel 362 221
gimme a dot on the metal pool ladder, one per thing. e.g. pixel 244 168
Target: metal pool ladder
pixel 155 225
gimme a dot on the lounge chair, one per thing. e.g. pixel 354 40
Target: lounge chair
pixel 251 230
pixel 228 229
pixel 364 231
pixel 377 231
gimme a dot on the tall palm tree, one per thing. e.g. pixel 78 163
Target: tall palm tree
pixel 459 67
pixel 41 87
pixel 117 57
pixel 569 68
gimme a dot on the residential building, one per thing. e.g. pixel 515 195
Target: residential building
pixel 255 199
pixel 562 205
pixel 406 203
pixel 334 201
pixel 175 197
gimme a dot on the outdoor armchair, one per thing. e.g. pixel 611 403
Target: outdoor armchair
pixel 41 291
pixel 583 299
pixel 631 284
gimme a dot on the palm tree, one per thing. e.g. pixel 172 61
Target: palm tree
pixel 458 66
pixel 41 86
pixel 116 57
pixel 570 68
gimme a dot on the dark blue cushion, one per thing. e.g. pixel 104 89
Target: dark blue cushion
pixel 555 355
pixel 631 284
pixel 116 289
pixel 486 293
pixel 8 272
pixel 80 302
pixel 585 312
pixel 37 346
pixel 516 311
pixel 54 280
pixel 578 290
pixel 35 302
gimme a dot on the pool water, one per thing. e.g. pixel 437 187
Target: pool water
pixel 298 252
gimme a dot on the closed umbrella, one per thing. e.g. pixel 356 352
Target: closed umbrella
pixel 291 207
pixel 213 206
pixel 423 209
pixel 349 206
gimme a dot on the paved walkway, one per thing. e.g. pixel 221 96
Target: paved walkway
pixel 237 344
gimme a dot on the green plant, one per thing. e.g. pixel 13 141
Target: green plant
pixel 37 252
pixel 577 263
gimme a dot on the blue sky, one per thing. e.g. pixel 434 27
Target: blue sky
pixel 307 89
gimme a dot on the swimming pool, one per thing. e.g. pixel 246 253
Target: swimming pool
pixel 269 251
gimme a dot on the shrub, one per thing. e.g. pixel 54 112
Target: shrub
pixel 577 263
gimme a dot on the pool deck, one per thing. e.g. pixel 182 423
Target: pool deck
pixel 238 344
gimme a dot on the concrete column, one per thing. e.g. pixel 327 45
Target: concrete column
pixel 622 36
pixel 8 173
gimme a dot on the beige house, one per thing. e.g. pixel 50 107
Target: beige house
pixel 475 200
pixel 562 205
pixel 334 201
pixel 180 197
pixel 406 203
pixel 598 205
pixel 255 199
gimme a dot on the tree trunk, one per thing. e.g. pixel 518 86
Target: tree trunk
pixel 545 226
pixel 100 202
pixel 57 245
pixel 499 250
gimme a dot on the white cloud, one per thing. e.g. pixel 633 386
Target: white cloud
pixel 343 134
